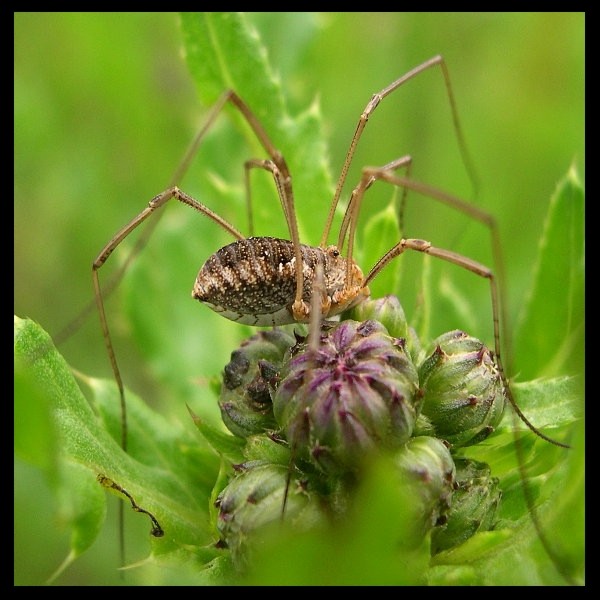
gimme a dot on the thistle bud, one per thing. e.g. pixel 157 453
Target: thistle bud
pixel 254 501
pixel 474 505
pixel 463 393
pixel 245 400
pixel 427 465
pixel 355 393
pixel 267 448
pixel 389 312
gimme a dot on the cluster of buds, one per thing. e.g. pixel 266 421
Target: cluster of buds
pixel 355 393
pixel 365 387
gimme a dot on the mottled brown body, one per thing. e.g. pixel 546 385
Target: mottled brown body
pixel 253 281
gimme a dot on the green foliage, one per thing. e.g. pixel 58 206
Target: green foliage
pixel 549 336
pixel 170 469
pixel 167 470
pixel 171 473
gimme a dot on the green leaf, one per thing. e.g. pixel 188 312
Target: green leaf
pixel 549 336
pixel 35 434
pixel 224 52
pixel 224 443
pixel 82 507
pixel 520 556
pixel 211 39
pixel 167 471
pixel 549 403
pixel 382 228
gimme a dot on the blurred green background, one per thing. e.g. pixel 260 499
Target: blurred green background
pixel 105 107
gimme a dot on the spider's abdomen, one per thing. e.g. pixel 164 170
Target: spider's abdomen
pixel 253 281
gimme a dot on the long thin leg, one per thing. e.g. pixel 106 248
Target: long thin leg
pixel 353 208
pixel 464 207
pixel 287 203
pixel 313 339
pixel 283 180
pixel 154 204
pixel 276 165
pixel 482 271
pixel 385 173
pixel 477 214
pixel 268 165
pixel 372 105
pixel 178 175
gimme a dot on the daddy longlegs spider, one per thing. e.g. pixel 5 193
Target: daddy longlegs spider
pixel 265 281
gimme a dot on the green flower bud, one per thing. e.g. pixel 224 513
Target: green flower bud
pixel 267 448
pixel 463 393
pixel 389 312
pixel 475 503
pixel 245 400
pixel 355 393
pixel 423 426
pixel 427 465
pixel 252 503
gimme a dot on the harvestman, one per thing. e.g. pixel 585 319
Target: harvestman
pixel 267 281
